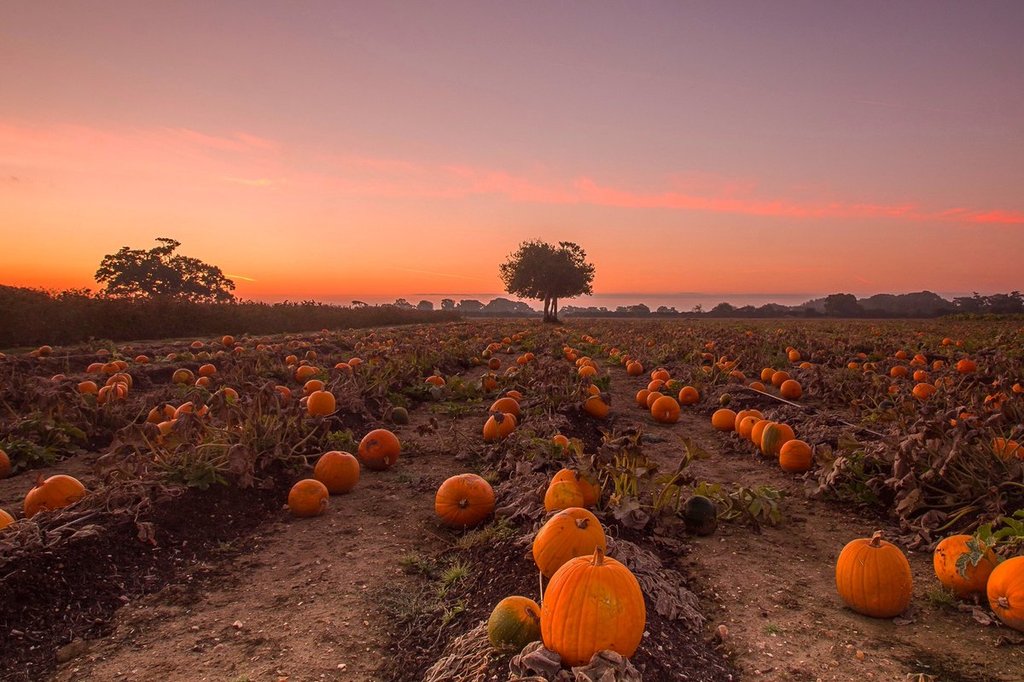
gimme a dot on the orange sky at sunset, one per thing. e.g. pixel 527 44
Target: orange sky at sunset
pixel 340 151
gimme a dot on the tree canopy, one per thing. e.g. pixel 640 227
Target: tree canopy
pixel 547 272
pixel 137 273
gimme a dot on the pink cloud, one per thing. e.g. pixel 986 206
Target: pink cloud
pixel 243 160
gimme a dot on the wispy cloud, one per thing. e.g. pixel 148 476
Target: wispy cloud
pixel 241 277
pixel 164 155
pixel 251 182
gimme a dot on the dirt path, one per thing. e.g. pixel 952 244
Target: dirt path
pixel 293 602
pixel 775 590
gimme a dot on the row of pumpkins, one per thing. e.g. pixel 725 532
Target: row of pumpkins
pixel 873 577
pixel 592 602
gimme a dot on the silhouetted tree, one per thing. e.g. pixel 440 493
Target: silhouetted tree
pixel 723 308
pixel 424 305
pixel 842 305
pixel 447 304
pixel 470 305
pixel 136 273
pixel 547 272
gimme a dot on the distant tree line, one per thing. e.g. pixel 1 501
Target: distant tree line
pixel 919 304
pixel 33 317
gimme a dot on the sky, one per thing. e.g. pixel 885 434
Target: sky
pixel 338 150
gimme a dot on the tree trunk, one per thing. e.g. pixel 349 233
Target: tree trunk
pixel 547 308
pixel 554 309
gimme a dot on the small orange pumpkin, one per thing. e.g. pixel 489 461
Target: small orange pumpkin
pixel 1005 591
pixel 596 407
pixel 498 425
pixel 5 519
pixel 562 495
pixel 308 498
pixel 55 492
pixel 795 456
pixel 590 488
pixel 320 403
pixel 688 395
pixel 724 419
pixel 5 465
pixel 464 501
pixel 338 471
pixel 379 450
pixel 973 579
pixel 791 389
pixel 505 404
pixel 665 410
pixel 570 533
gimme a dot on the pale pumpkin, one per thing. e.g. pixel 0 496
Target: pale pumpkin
pixel 514 623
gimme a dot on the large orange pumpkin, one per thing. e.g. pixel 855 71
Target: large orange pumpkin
pixel 873 577
pixel 591 604
pixel 568 534
pixel 54 492
pixel 1005 592
pixel 464 501
pixel 379 450
pixel 337 470
pixel 308 498
pixel 948 553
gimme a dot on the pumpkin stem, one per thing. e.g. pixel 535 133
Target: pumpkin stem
pixel 582 523
pixel 598 556
pixel 876 539
pixel 463 503
pixel 1003 602
pixel 40 479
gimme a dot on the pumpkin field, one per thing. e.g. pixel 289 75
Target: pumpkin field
pixel 613 500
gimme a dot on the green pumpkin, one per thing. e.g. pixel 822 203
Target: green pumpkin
pixel 400 415
pixel 514 623
pixel 700 514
